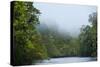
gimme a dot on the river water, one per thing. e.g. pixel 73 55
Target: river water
pixel 66 60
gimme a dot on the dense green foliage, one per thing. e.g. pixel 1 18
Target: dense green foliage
pixel 32 42
pixel 27 44
pixel 88 37
pixel 59 45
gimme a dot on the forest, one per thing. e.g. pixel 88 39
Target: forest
pixel 32 41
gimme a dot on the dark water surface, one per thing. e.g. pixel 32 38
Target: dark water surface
pixel 66 60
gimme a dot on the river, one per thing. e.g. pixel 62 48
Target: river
pixel 66 60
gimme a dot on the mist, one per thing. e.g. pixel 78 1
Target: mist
pixel 64 18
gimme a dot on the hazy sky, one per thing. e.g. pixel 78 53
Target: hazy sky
pixel 68 18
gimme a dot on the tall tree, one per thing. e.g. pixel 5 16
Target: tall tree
pixel 88 37
pixel 26 39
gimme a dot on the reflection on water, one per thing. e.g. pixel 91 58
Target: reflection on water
pixel 66 60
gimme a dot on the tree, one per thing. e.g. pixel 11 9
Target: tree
pixel 88 37
pixel 26 39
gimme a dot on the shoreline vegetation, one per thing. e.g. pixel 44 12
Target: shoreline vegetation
pixel 34 41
